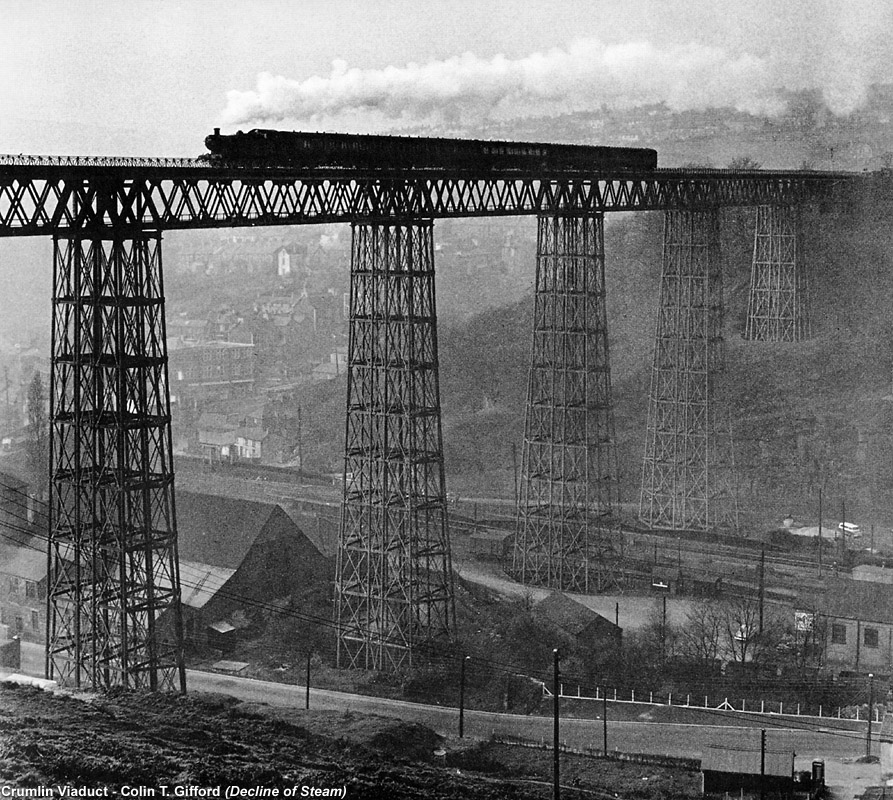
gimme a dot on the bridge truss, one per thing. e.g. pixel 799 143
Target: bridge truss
pixel 114 592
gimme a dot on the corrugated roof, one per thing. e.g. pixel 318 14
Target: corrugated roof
pixel 222 627
pixel 568 614
pixel 779 763
pixel 870 572
pixel 255 434
pixel 848 599
pixel 200 582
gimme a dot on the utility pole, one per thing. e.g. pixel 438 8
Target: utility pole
pixel 762 584
pixel 462 696
pixel 763 764
pixel 605 720
pixel 556 690
pixel 307 697
pixel 841 548
pixel 820 531
pixel 663 631
pixel 870 714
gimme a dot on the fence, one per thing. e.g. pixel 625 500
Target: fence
pixel 775 707
pixel 693 764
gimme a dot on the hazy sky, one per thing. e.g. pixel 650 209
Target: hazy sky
pixel 153 78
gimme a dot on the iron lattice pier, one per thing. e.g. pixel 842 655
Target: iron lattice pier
pixel 569 488
pixel 778 308
pixel 113 577
pixel 394 583
pixel 113 597
pixel 686 469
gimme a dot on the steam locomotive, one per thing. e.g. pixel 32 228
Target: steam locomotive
pixel 294 148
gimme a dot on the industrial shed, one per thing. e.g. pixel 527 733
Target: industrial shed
pixel 236 557
pixel 590 630
pixel 730 770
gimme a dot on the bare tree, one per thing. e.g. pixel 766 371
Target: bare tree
pixel 38 435
pixel 700 637
pixel 744 162
pixel 741 627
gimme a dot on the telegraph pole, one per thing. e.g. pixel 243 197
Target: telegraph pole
pixel 841 547
pixel 605 720
pixel 820 531
pixel 763 764
pixel 307 697
pixel 556 690
pixel 870 714
pixel 762 584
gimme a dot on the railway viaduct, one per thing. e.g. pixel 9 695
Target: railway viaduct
pixel 112 553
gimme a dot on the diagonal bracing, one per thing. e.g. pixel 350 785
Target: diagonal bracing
pixel 394 582
pixel 687 471
pixel 778 306
pixel 569 490
pixel 113 577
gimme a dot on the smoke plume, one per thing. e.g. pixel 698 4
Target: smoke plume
pixel 587 75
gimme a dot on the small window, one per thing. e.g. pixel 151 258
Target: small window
pixel 838 633
pixel 35 621
pixel 31 589
pixel 4 616
pixel 871 637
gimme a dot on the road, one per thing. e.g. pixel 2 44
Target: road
pixel 839 749
pixel 809 740
pixel 644 737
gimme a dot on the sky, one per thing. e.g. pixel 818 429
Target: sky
pixel 154 78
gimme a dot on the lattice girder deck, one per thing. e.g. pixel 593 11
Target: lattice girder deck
pixel 394 584
pixel 113 577
pixel 687 468
pixel 569 489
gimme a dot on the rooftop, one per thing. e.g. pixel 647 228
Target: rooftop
pixel 569 615
pixel 747 761
pixel 217 530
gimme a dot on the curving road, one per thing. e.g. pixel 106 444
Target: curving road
pixel 809 740
pixel 662 738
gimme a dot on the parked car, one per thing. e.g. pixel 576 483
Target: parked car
pixel 849 530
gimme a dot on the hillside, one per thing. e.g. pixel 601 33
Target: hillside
pixel 99 744
pixel 806 415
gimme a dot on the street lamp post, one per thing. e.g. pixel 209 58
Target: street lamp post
pixel 462 695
